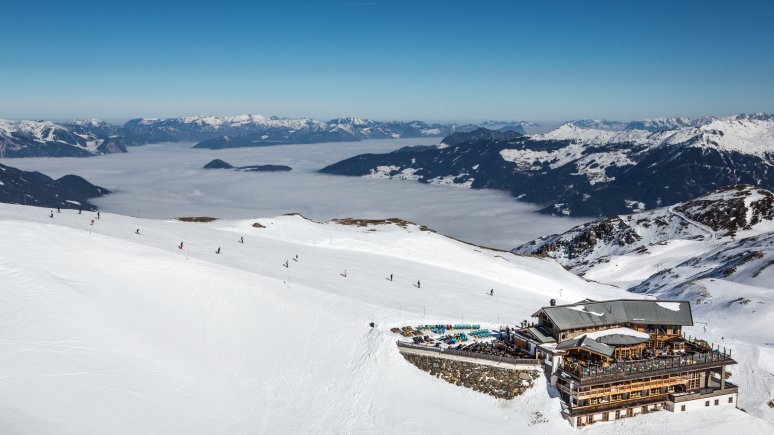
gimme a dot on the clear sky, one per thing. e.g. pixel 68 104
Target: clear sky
pixel 386 59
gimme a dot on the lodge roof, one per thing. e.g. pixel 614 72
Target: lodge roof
pixel 589 313
pixel 541 334
pixel 587 343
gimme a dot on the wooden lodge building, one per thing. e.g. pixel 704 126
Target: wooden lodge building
pixel 620 358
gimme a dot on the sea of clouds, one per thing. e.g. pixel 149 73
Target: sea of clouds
pixel 167 180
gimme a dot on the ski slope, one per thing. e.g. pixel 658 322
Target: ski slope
pixel 108 332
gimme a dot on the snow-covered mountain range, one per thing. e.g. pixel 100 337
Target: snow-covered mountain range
pixel 748 134
pixel 47 139
pixel 81 138
pixel 593 167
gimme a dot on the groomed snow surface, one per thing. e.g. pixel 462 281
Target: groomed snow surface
pixel 108 332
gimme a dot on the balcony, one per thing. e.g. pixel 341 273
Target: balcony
pixel 595 374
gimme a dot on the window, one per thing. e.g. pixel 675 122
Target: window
pixel 717 402
pixel 730 400
pixel 706 403
pixel 682 408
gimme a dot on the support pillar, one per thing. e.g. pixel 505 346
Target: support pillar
pixel 723 378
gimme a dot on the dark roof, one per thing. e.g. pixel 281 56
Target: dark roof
pixel 588 344
pixel 621 340
pixel 541 334
pixel 621 311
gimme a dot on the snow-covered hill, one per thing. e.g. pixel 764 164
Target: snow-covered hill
pixel 109 331
pixel 35 188
pixel 594 167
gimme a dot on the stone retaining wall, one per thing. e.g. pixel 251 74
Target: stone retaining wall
pixel 499 382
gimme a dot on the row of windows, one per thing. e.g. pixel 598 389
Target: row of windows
pixel 707 403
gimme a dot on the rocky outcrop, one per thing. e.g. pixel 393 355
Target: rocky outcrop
pixel 220 164
pixel 499 382
pixel 725 211
pixel 734 208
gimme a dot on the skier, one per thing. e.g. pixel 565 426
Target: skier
pixel 51 215
pixel 344 274
pixel 286 263
pixel 181 246
pixel 241 240
pixel 218 251
pixel 92 221
pixel 295 258
pixel 97 215
pixel 419 284
pixel 58 210
pixel 390 277
pixel 491 292
pixel 137 231
pixel 79 211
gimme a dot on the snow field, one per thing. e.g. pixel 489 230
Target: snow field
pixel 106 331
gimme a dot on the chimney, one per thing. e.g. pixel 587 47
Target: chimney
pixel 553 302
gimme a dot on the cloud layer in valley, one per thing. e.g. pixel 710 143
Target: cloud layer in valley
pixel 166 180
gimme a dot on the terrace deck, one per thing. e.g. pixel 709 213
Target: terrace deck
pixel 594 375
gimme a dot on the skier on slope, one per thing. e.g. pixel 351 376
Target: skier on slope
pixel 97 215
pixel 491 292
pixel 58 210
pixel 51 215
pixel 181 246
pixel 241 240
pixel 218 251
pixel 137 231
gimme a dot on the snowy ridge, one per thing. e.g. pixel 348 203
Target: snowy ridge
pixel 749 134
pixel 45 138
pixel 88 137
pixel 275 130
pixel 719 215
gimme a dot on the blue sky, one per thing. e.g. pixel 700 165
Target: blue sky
pixel 419 59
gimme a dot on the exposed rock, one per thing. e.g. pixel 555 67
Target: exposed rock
pixel 499 382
